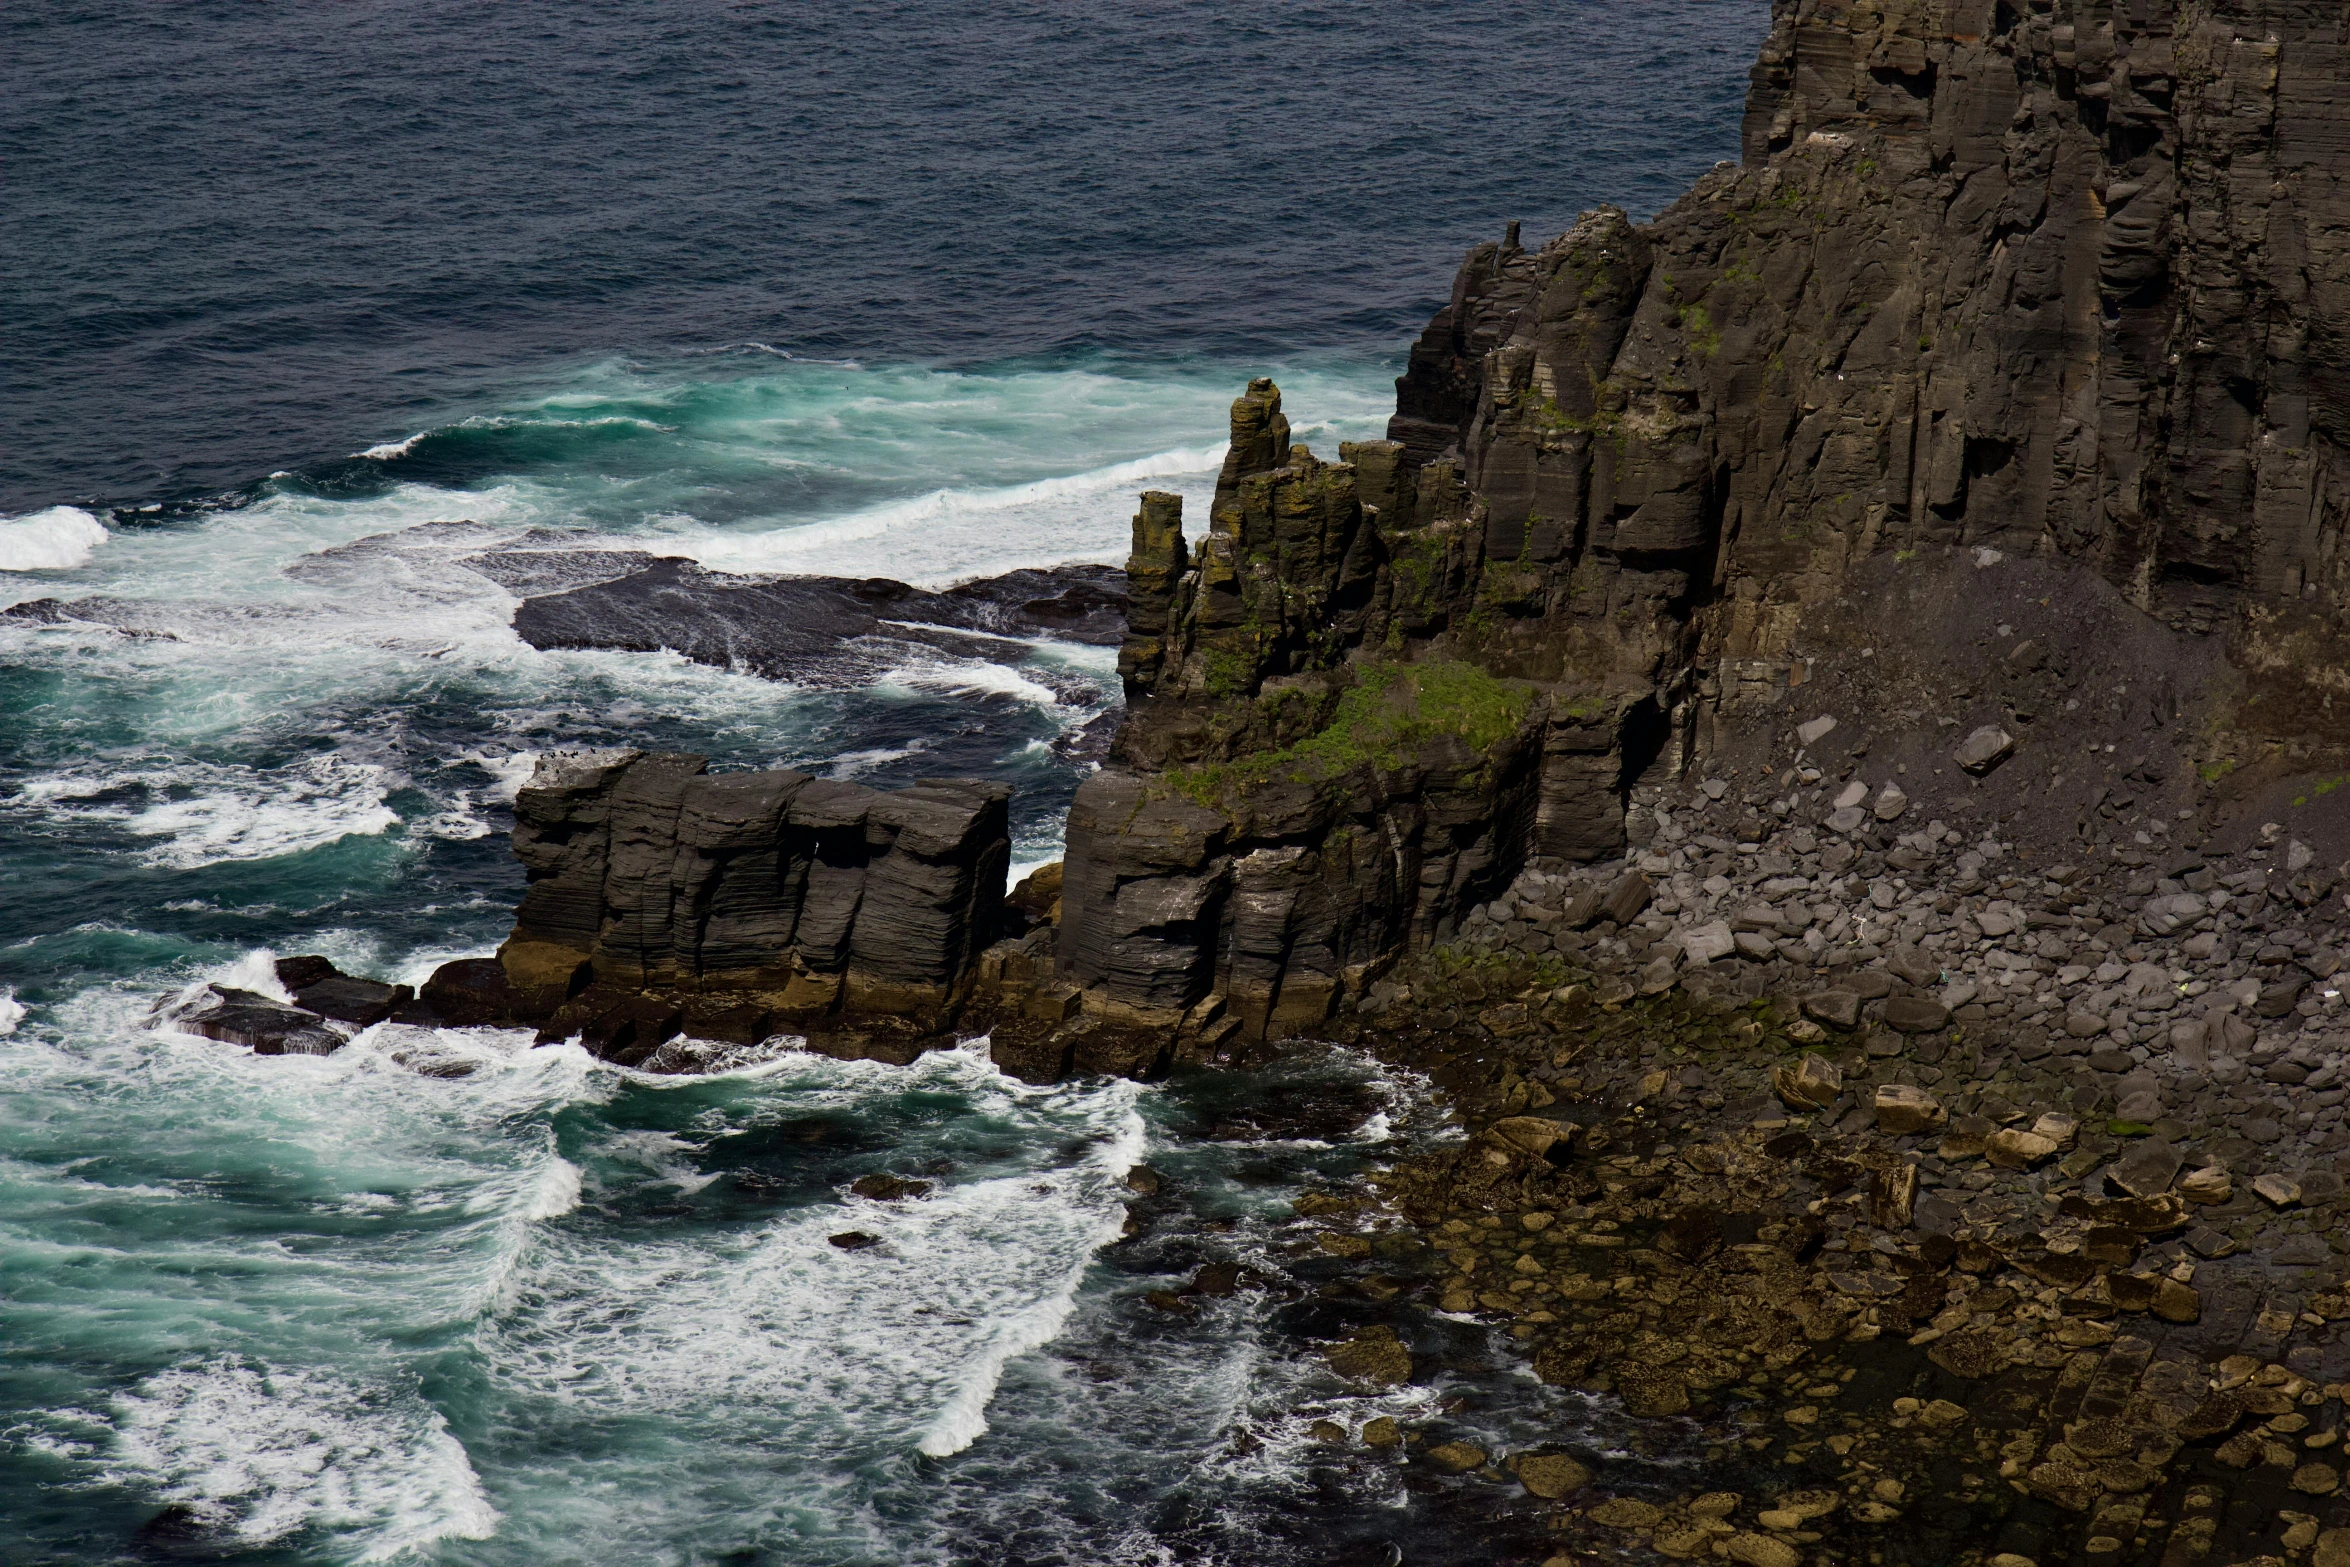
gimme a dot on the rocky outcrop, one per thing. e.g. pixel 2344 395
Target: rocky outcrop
pixel 740 903
pixel 1312 779
pixel 2039 284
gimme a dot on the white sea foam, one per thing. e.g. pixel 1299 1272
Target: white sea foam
pixel 969 677
pixel 209 812
pixel 257 1454
pixel 255 971
pixel 11 1010
pixel 58 539
pixel 554 1190
pixel 905 1342
pixel 512 769
pixel 855 764
pixel 951 535
pixel 392 449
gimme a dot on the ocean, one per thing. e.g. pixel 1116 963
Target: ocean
pixel 897 290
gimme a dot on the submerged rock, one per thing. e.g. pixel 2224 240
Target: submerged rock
pixel 813 630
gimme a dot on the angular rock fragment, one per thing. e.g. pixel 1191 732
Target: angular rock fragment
pixel 1836 1008
pixel 2013 1148
pixel 1984 750
pixel 1902 1110
pixel 2147 1170
pixel 1811 1084
pixel 1916 1015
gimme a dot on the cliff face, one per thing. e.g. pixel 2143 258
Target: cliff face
pixel 2064 281
pixel 2065 285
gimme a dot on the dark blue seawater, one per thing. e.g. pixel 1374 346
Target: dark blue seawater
pixel 241 238
pixel 301 305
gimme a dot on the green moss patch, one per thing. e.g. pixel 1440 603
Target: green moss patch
pixel 1380 723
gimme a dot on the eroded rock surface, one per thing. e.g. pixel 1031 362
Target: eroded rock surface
pixel 745 903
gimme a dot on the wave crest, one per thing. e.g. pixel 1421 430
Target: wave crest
pixel 58 539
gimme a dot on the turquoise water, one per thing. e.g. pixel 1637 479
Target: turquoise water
pixel 893 288
pixel 334 1310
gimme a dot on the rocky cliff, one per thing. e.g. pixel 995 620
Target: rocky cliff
pixel 1995 390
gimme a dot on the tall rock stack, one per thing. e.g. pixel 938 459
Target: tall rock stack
pixel 771 899
pixel 1295 797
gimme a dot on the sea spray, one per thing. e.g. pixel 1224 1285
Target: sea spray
pixel 57 539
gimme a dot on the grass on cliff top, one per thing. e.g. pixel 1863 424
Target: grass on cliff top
pixel 1380 723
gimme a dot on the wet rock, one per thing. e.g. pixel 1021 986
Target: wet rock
pixel 1373 1355
pixel 811 630
pixel 2148 1169
pixel 468 993
pixel 1625 1513
pixel 263 1026
pixel 318 986
pixel 1457 1457
pixel 1551 1475
pixel 883 1187
pixel 1651 1390
pixel 854 1240
pixel 1760 1550
pixel 1382 1431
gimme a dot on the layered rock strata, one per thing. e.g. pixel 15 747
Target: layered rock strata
pixel 663 896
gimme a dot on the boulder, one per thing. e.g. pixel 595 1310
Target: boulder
pixel 1708 942
pixel 318 986
pixel 1902 1109
pixel 2014 1148
pixel 2147 1170
pixel 1811 1084
pixel 1984 750
pixel 466 993
pixel 1530 1134
pixel 1456 1458
pixel 1550 1475
pixel 1916 1015
pixel 1373 1355
pixel 1836 1008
